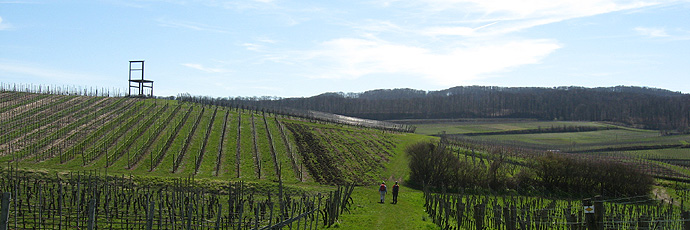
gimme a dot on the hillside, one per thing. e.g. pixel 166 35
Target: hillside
pixel 634 106
pixel 172 138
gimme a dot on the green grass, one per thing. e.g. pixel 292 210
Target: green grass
pixel 354 149
pixel 408 213
pixel 286 172
pixel 673 153
pixel 247 164
pixel 579 141
pixel 208 163
pixel 176 147
pixel 229 167
pixel 268 169
pixel 367 213
pixel 493 126
pixel 157 125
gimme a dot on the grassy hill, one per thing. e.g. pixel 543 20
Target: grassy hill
pixel 168 138
pixel 165 139
pixel 159 140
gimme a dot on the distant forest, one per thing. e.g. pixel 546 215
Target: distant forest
pixel 634 106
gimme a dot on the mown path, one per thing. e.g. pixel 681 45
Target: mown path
pixel 368 213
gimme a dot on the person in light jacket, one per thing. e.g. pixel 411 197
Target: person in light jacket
pixel 382 191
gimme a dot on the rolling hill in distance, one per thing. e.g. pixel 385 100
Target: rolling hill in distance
pixel 640 107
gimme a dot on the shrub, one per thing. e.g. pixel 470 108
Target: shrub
pixel 432 165
pixel 590 176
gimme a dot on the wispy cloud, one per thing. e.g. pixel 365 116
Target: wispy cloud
pixel 663 33
pixel 240 5
pixel 18 69
pixel 480 42
pixel 267 40
pixel 455 31
pixel 513 15
pixel 253 46
pixel 4 25
pixel 17 2
pixel 259 44
pixel 351 58
pixel 190 25
pixel 204 68
pixel 652 32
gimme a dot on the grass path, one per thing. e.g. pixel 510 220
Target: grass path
pixel 368 213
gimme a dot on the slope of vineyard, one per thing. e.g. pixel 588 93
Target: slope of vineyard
pixel 169 138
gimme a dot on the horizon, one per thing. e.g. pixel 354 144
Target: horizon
pixel 301 49
pixel 123 91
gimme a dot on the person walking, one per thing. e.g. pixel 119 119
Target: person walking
pixel 396 188
pixel 382 191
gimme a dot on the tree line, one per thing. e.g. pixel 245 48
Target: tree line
pixel 634 106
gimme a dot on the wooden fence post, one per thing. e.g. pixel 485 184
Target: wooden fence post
pixel 5 214
pixel 189 215
pixel 479 216
pixel 218 218
pixel 149 215
pixel 256 217
pixel 460 208
pixel 239 220
pixel 599 212
pixel 512 216
pixel 92 214
pixel 570 218
pixel 60 201
pixel 318 209
pixel 589 217
pixel 643 223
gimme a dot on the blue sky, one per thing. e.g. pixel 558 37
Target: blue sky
pixel 303 48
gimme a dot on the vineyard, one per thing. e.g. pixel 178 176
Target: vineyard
pixel 96 201
pixel 500 152
pixel 200 163
pixel 663 156
pixel 172 138
pixel 50 137
pixel 463 211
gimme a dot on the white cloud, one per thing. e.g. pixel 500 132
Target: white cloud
pixel 652 32
pixel 204 68
pixel 16 69
pixel 257 46
pixel 189 25
pixel 253 47
pixel 538 8
pixel 4 25
pixel 267 40
pixel 664 34
pixel 350 58
pixel 514 15
pixel 458 31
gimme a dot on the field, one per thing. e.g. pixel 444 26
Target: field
pixel 168 138
pixel 666 157
pixel 163 140
pixel 159 141
pixel 667 152
pixel 489 125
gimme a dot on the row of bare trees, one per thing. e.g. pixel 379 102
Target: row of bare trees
pixel 436 165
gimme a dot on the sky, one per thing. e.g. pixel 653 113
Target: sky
pixel 303 48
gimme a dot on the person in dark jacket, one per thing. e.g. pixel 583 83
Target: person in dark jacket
pixel 396 188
